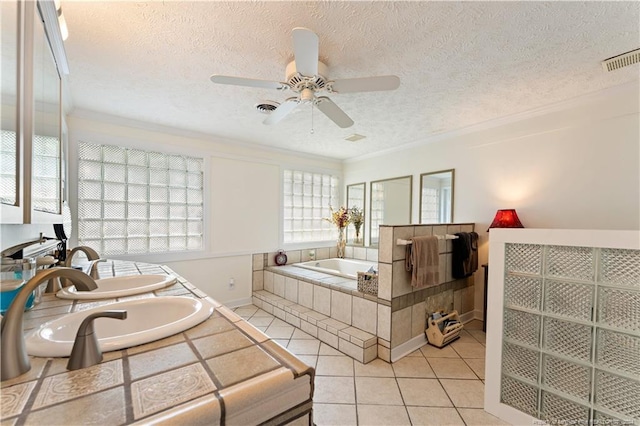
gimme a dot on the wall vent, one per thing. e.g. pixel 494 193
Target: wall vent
pixel 620 61
pixel 354 137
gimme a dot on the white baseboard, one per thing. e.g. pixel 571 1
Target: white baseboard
pixel 470 316
pixel 417 342
pixel 478 314
pixel 407 347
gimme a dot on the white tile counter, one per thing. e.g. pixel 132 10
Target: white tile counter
pixel 223 371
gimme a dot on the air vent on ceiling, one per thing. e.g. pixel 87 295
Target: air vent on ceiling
pixel 354 137
pixel 620 61
pixel 266 107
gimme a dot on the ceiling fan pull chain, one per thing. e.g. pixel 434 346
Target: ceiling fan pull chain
pixel 312 118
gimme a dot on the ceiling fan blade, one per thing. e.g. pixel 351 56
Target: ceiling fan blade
pixel 334 112
pixel 305 50
pixel 249 82
pixel 282 110
pixel 366 84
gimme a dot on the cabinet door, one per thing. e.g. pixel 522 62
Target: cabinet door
pixel 31 152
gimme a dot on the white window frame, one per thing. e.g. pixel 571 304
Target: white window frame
pixel 149 146
pixel 326 232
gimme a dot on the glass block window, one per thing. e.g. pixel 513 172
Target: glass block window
pixel 46 184
pixel 8 171
pixel 430 209
pixel 132 201
pixel 377 211
pixel 571 334
pixel 307 197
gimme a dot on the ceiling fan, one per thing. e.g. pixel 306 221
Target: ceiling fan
pixel 306 76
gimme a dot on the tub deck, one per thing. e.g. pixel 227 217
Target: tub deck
pixel 346 268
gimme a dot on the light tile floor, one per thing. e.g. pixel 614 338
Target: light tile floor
pixel 430 386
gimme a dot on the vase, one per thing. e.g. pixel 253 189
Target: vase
pixel 342 243
pixel 357 239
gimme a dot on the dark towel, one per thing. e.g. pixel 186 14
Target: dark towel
pixel 423 260
pixel 465 254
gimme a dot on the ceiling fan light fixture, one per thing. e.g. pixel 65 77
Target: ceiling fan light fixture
pixel 307 96
pixel 305 76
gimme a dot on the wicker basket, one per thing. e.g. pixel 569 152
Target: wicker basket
pixel 368 283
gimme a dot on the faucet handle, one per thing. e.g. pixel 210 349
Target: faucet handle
pixel 92 269
pixel 86 351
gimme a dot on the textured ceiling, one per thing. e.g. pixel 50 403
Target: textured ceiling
pixel 459 63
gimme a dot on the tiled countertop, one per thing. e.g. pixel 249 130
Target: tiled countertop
pixel 223 371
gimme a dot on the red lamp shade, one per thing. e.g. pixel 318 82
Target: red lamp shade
pixel 507 218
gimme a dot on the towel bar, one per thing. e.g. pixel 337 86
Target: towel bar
pixel 402 242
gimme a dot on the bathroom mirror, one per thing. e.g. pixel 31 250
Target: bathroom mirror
pixel 436 196
pixel 356 199
pixel 8 110
pixel 390 204
pixel 46 144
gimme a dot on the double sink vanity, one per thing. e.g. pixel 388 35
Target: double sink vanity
pixel 197 363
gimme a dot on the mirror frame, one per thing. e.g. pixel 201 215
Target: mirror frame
pixel 45 14
pixel 453 180
pixel 371 184
pixel 46 116
pixel 351 228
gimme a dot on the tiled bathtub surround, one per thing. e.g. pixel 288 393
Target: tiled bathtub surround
pixel 410 306
pixel 395 317
pixel 213 373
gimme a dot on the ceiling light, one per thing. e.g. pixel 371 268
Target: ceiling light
pixel 354 137
pixel 64 31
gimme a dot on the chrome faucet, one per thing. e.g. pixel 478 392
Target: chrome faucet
pixel 15 360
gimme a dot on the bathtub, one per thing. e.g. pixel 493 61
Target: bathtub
pixel 347 268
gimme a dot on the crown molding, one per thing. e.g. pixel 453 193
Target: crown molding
pixel 564 105
pixel 159 128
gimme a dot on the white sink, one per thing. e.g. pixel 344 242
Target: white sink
pixel 108 288
pixel 147 320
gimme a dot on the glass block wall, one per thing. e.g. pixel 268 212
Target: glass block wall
pixel 571 333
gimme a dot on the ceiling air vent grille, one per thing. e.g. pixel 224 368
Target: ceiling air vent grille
pixel 620 61
pixel 267 107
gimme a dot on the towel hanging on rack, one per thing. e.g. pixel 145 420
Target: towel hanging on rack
pixel 465 255
pixel 423 260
